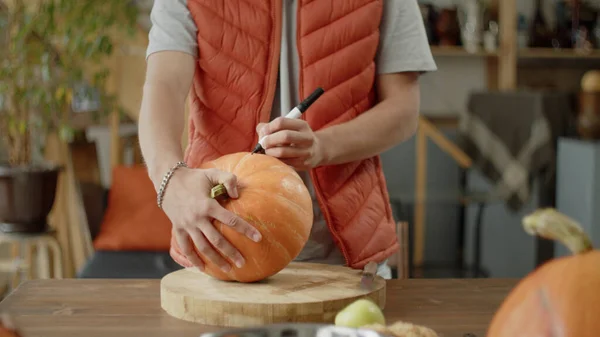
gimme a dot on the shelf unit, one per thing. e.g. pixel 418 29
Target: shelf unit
pixel 501 74
pixel 502 68
pixel 522 53
pixel 460 52
pixel 503 64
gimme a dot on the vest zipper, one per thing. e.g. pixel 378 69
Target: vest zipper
pixel 265 109
pixel 312 172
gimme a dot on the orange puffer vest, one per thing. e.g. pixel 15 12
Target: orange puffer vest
pixel 234 86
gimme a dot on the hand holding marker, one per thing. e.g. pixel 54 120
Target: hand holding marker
pixel 296 112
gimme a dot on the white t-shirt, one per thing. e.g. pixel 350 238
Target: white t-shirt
pixel 403 47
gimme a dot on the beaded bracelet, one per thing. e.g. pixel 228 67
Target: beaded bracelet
pixel 165 181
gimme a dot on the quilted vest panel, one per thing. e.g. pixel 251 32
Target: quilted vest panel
pixel 234 84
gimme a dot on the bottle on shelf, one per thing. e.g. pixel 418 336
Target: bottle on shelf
pixel 539 32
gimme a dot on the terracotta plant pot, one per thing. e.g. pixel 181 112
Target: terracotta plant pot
pixel 27 196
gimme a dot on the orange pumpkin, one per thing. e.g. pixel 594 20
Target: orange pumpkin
pixel 274 199
pixel 561 297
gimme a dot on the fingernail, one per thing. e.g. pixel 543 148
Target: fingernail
pixel 235 192
pixel 256 237
pixel 239 262
pixel 226 268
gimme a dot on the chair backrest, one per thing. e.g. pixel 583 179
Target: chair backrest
pixel 403 238
pixel 400 260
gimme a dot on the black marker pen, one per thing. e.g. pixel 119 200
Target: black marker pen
pixel 296 112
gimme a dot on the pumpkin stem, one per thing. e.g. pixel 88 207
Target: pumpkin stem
pixel 219 192
pixel 550 224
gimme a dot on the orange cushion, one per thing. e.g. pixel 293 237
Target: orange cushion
pixel 132 220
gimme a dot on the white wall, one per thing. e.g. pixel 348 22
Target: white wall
pixel 445 91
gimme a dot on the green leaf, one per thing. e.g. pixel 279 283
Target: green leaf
pixel 49 47
pixel 66 133
pixel 22 127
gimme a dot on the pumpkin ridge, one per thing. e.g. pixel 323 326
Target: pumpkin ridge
pixel 266 226
pixel 281 248
pixel 265 229
pixel 294 232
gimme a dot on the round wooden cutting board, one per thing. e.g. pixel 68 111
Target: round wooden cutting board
pixel 302 292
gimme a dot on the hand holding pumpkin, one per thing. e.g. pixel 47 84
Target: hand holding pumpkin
pixel 188 205
pixel 292 141
pixel 273 198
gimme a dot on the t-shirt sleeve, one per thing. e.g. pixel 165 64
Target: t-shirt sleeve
pixel 403 42
pixel 172 28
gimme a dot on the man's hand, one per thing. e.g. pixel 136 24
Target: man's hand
pixel 191 210
pixel 391 121
pixel 292 141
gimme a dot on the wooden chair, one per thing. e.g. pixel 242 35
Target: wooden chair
pixel 400 260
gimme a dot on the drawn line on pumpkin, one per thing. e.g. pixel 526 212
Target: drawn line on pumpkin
pixel 274 168
pixel 556 327
pixel 280 197
pixel 238 164
pixel 291 191
pixel 268 164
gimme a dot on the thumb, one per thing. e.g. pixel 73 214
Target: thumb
pixel 259 129
pixel 229 180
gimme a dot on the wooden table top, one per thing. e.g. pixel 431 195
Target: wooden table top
pixel 94 308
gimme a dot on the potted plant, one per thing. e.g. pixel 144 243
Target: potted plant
pixel 48 49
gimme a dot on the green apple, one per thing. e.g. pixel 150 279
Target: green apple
pixel 359 313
